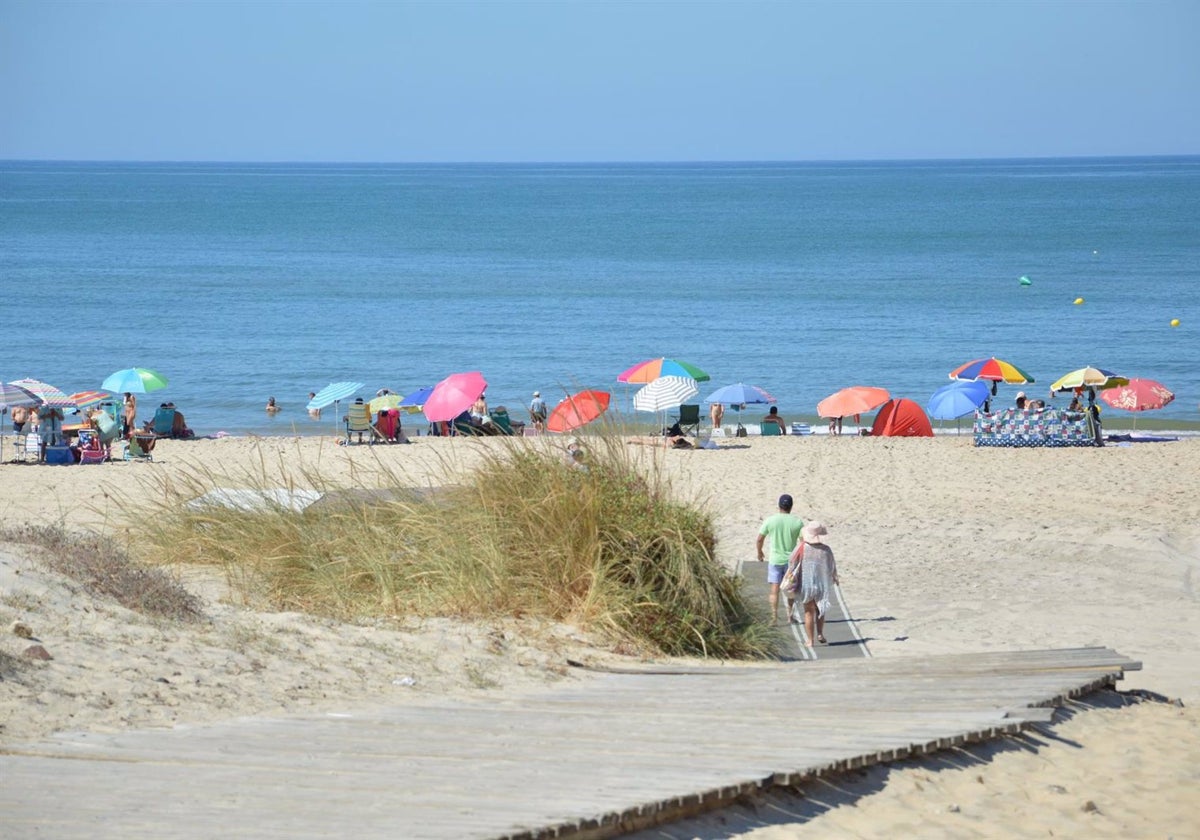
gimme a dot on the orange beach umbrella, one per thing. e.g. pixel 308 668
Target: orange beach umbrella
pixel 857 399
pixel 578 410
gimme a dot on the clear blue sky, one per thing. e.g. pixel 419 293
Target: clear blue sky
pixel 589 81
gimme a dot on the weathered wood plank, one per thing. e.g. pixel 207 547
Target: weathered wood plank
pixel 586 759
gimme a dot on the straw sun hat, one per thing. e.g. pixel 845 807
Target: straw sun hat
pixel 813 532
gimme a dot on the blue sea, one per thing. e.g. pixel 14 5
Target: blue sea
pixel 244 281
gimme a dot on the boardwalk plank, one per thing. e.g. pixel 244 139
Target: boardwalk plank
pixel 577 759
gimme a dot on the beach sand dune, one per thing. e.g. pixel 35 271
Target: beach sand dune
pixel 942 547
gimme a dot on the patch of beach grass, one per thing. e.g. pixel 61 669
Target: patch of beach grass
pixel 104 570
pixel 525 534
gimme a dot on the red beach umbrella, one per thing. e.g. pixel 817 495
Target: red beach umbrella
pixel 454 395
pixel 1138 395
pixel 578 410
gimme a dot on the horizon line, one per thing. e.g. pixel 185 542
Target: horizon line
pixel 628 162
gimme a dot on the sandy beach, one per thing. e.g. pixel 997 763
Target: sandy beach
pixel 941 547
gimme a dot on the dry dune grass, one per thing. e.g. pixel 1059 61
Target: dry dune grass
pixel 607 547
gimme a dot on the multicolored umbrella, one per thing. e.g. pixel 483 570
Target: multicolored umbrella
pixel 87 399
pixel 1138 395
pixel 665 392
pixel 653 369
pixel 134 381
pixel 857 399
pixel 14 395
pixel 1089 377
pixel 739 394
pixel 993 370
pixel 454 395
pixel 45 394
pixel 578 410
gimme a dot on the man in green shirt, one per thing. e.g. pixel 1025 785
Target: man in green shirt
pixel 782 530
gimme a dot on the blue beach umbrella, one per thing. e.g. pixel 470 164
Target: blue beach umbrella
pixel 957 399
pixel 417 398
pixel 739 394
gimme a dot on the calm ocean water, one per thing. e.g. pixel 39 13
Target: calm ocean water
pixel 244 281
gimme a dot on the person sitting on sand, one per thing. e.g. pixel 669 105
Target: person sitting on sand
pixel 818 576
pixel 20 415
pixel 272 408
pixel 575 455
pixel 773 417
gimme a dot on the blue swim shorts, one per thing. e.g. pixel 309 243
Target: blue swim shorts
pixel 775 572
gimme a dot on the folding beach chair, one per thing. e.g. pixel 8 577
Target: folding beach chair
pixel 769 429
pixel 358 421
pixel 141 444
pixel 91 450
pixel 689 419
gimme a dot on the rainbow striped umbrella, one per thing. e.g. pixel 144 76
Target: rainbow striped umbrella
pixel 87 399
pixel 652 369
pixel 993 370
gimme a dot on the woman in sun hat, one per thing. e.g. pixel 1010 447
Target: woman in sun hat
pixel 818 576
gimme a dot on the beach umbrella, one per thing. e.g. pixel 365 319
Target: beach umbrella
pixel 87 399
pixel 12 396
pixel 454 395
pixel 652 369
pixel 1089 377
pixel 417 398
pixel 739 394
pixel 385 401
pixel 134 381
pixel 578 410
pixel 957 399
pixel 857 399
pixel 334 392
pixel 1138 395
pixel 665 392
pixel 45 394
pixel 993 370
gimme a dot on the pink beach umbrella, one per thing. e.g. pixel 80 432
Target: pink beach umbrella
pixel 454 395
pixel 1138 395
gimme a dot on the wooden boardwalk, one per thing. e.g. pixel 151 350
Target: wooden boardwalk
pixel 592 758
pixel 791 643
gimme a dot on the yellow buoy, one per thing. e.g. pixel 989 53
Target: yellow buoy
pixel 1078 301
pixel 1174 322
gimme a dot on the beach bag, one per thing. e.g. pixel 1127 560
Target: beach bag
pixel 791 578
